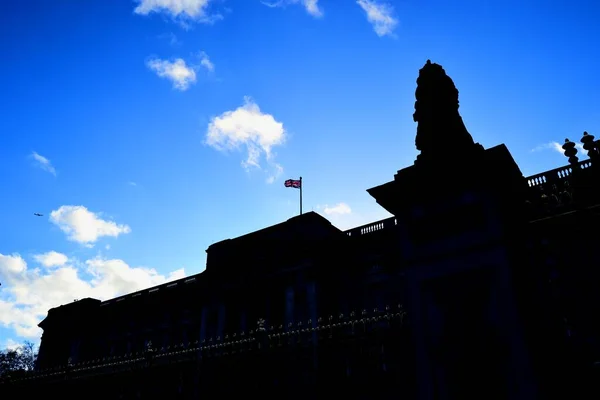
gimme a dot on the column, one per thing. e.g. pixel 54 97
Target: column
pixel 311 294
pixel 289 305
pixel 221 321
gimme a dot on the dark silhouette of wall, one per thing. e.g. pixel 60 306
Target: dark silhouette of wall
pixel 481 286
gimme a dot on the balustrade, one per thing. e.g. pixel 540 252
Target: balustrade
pixel 555 191
pixel 556 175
pixel 372 227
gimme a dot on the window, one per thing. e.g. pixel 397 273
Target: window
pixel 74 351
pixel 289 305
pixel 193 330
pixel 328 298
pixel 211 321
pixel 232 317
pixel 301 313
pixel 185 336
pixel 277 308
pixel 221 316
pixel 165 339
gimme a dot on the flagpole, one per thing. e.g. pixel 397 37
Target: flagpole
pixel 300 195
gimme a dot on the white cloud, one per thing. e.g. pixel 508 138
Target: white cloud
pixel 177 71
pixel 205 62
pixel 311 6
pixel 51 259
pixel 338 209
pixel 43 163
pixel 581 152
pixel 275 173
pixel 344 217
pixel 27 294
pixel 182 11
pixel 12 264
pixel 380 15
pixel 84 226
pixel 249 128
pixel 276 4
pixel 171 38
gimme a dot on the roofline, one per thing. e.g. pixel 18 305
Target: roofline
pixel 154 289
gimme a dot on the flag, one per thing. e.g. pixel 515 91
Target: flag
pixel 293 183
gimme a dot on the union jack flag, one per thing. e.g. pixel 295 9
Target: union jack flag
pixel 293 183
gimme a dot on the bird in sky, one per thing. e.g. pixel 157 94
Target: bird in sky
pixel 38 214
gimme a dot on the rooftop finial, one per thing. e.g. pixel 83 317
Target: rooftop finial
pixel 591 146
pixel 570 151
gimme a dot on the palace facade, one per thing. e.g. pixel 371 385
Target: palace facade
pixel 483 284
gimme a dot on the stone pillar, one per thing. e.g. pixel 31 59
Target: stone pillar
pixel 311 294
pixel 289 305
pixel 465 322
pixel 221 322
pixel 456 241
pixel 311 289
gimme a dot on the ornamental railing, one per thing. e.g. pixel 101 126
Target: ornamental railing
pixel 563 189
pixel 556 175
pixel 263 338
pixel 372 227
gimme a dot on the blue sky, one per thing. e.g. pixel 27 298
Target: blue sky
pixel 146 130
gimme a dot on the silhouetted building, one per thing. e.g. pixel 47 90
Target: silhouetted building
pixel 482 285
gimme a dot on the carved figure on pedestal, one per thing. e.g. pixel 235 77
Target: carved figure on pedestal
pixel 441 132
